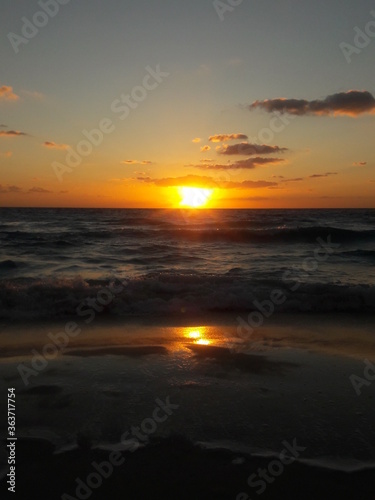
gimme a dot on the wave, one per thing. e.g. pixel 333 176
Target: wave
pixel 202 234
pixel 359 253
pixel 8 264
pixel 284 235
pixel 329 463
pixel 170 293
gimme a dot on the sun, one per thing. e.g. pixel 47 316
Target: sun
pixel 194 197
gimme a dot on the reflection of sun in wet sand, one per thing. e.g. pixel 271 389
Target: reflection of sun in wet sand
pixel 203 342
pixel 198 335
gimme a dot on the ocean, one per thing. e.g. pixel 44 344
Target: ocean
pixel 181 262
pixel 255 327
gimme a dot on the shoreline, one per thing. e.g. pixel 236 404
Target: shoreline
pixel 175 468
pixel 291 381
pixel 338 334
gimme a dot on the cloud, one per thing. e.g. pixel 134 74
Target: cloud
pixel 53 145
pixel 196 140
pixel 7 94
pixel 359 163
pixel 39 190
pixel 205 182
pixel 204 70
pixel 313 176
pixel 7 154
pixel 227 137
pixel 34 95
pixel 250 198
pixel 296 179
pixel 204 149
pixel 235 61
pixel 11 133
pixel 247 149
pixel 9 189
pixel 316 176
pixel 136 162
pixel 248 164
pixel 351 103
pixel 123 179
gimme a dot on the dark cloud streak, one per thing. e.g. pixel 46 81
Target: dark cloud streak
pixel 352 103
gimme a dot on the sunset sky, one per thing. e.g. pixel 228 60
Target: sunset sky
pixel 257 102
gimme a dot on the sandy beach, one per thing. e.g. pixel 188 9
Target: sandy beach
pixel 233 403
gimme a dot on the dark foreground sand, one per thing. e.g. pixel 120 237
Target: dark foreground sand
pixel 235 405
pixel 175 469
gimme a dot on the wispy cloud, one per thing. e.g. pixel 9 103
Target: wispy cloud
pixel 11 133
pixel 196 140
pixel 313 176
pixel 10 189
pixel 205 182
pixel 39 190
pixel 352 103
pixel 227 137
pixel 296 179
pixel 328 174
pixel 359 163
pixel 53 145
pixel 204 149
pixel 248 164
pixel 7 154
pixel 38 96
pixel 136 162
pixel 235 62
pixel 7 94
pixel 246 149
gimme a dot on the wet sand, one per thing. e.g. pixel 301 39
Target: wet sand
pixel 237 401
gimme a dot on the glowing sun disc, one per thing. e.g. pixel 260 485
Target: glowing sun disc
pixel 194 197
